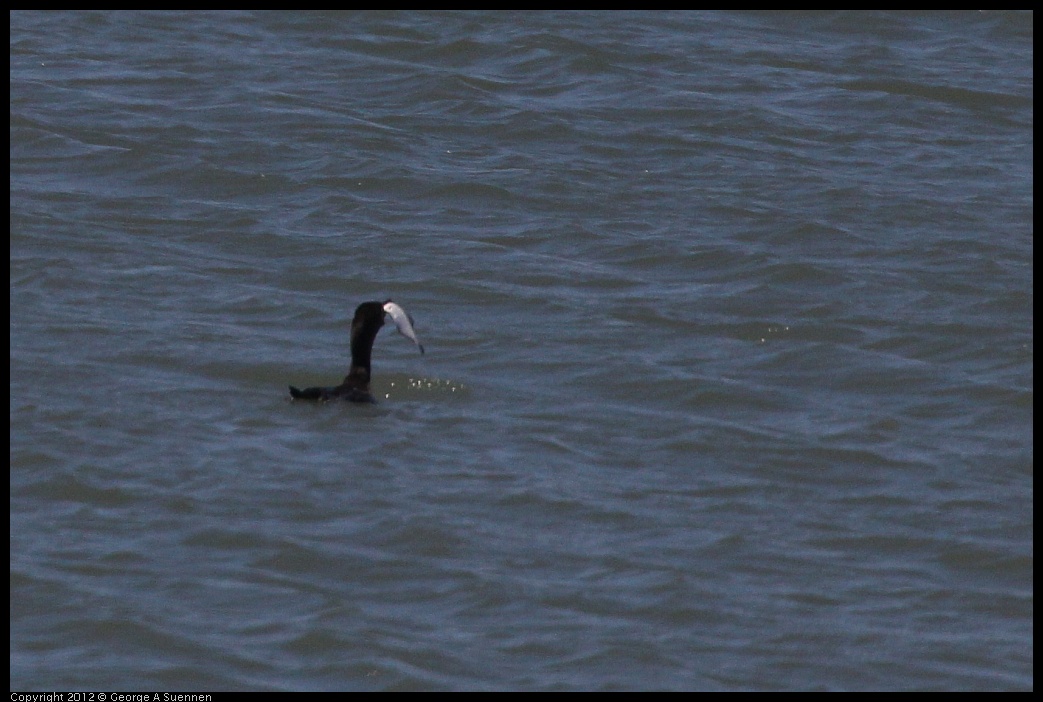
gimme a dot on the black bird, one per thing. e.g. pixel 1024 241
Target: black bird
pixel 369 318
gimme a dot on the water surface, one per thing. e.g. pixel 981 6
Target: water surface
pixel 728 381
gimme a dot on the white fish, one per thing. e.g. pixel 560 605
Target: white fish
pixel 403 321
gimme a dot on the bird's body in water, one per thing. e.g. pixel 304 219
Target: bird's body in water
pixel 369 318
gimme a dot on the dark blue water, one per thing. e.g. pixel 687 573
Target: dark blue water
pixel 728 381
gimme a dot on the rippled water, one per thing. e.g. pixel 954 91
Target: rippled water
pixel 728 381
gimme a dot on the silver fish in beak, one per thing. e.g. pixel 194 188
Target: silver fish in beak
pixel 403 321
